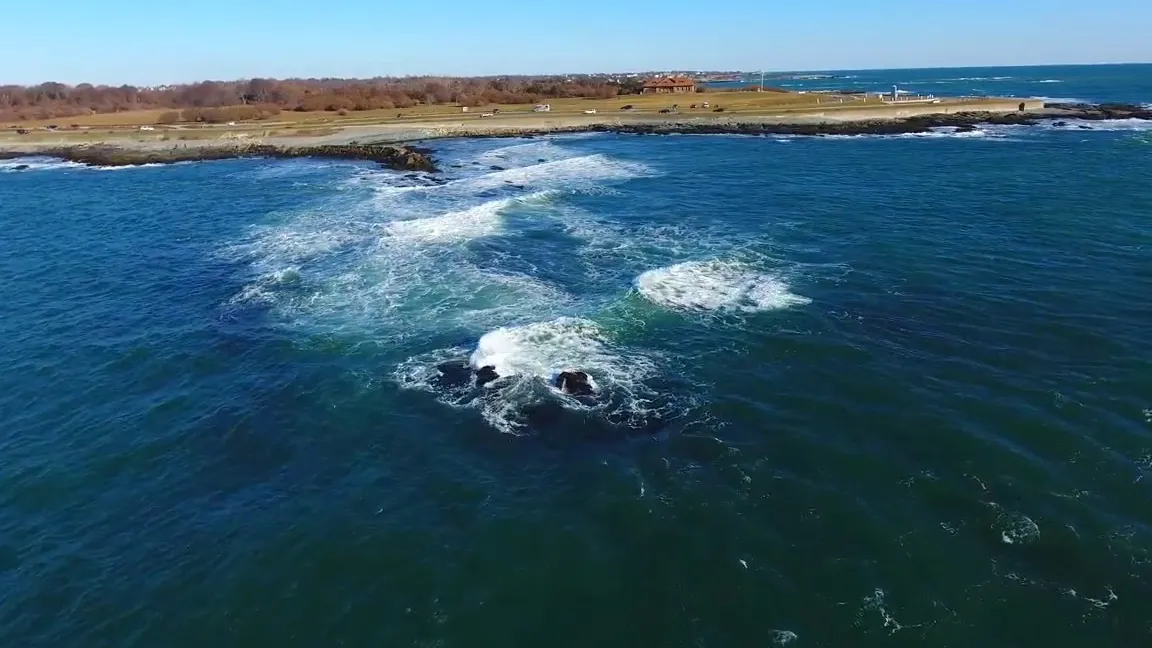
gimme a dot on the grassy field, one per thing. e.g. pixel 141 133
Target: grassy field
pixel 731 102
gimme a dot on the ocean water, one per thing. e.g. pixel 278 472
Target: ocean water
pixel 874 391
pixel 1131 83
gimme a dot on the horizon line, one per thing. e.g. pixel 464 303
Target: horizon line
pixel 593 73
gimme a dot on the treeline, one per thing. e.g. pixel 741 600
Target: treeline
pixel 52 100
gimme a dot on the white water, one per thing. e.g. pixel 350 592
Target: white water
pixel 1111 125
pixel 36 164
pixel 528 358
pixel 716 286
pixel 474 222
pixel 403 261
pixel 544 349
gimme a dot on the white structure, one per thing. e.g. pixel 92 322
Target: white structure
pixel 542 108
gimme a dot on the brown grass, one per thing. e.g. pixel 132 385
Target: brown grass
pixel 731 101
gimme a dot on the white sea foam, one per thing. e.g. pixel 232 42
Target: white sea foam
pixel 1014 527
pixel 1114 125
pixel 474 222
pixel 36 164
pixel 1062 100
pixel 1049 81
pixel 528 357
pixel 362 271
pixel 544 349
pixel 716 286
pixel 129 167
pixel 527 154
pixel 995 78
pixel 568 173
pixel 783 637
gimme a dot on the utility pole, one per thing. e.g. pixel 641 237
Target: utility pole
pixel 761 80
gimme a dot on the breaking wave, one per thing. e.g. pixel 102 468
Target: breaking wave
pixel 474 222
pixel 716 286
pixel 1111 125
pixel 573 173
pixel 520 155
pixel 17 165
pixel 527 358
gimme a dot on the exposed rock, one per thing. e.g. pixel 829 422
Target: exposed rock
pixel 574 383
pixel 395 157
pixel 485 375
pixel 454 373
pixel 20 167
pixel 496 167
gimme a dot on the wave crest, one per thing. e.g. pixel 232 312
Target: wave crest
pixel 716 286
pixel 528 357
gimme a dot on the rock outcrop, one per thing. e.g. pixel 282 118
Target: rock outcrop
pixel 401 158
pixel 485 375
pixel 458 373
pixel 574 383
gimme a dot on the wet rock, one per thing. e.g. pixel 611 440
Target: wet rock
pixel 455 373
pixel 496 167
pixel 485 375
pixel 574 383
pixel 20 167
pixel 399 158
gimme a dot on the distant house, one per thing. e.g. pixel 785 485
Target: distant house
pixel 669 85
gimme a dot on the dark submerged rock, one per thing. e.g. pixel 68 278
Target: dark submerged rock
pixel 20 167
pixel 574 383
pixel 485 375
pixel 454 373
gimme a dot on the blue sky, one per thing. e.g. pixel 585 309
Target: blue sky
pixel 122 41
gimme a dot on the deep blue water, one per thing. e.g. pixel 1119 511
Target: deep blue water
pixel 1131 83
pixel 877 391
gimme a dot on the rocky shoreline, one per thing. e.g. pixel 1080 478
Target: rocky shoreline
pixel 400 158
pixel 412 158
pixel 963 121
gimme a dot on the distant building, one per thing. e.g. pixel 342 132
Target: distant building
pixel 669 85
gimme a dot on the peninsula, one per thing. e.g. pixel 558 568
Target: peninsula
pixel 384 134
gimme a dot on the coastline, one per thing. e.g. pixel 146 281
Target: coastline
pixel 107 154
pixel 388 144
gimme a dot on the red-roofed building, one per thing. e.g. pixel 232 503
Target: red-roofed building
pixel 669 85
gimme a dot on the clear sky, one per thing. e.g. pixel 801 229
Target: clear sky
pixel 141 42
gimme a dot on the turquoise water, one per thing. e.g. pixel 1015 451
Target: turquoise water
pixel 876 391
